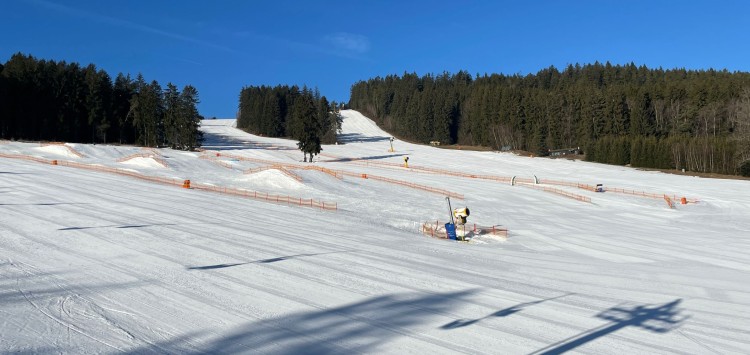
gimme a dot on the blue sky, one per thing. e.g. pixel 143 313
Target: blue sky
pixel 221 46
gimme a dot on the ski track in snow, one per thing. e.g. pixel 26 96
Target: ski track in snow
pixel 92 262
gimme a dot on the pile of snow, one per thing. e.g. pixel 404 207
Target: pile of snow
pixel 272 178
pixel 143 162
pixel 58 150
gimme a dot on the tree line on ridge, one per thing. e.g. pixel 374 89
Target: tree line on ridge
pixel 617 114
pixel 58 101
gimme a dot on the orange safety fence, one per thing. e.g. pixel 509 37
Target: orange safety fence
pixel 437 230
pixel 217 161
pixel 365 162
pixel 137 175
pixel 335 173
pixel 417 186
pixel 28 157
pixel 276 167
pixel 505 179
pixel 210 155
pixel 683 200
pixel 568 183
pixel 417 168
pixel 62 144
pixel 369 163
pixel 650 194
pixel 407 184
pixel 341 173
pixel 559 192
pixel 222 163
pixel 669 202
pixel 262 196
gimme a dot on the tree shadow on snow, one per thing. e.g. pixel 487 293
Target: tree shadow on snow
pixel 262 261
pixel 359 138
pixel 221 142
pixel 372 157
pixel 501 313
pixel 20 287
pixel 119 226
pixel 43 204
pixel 657 319
pixel 359 327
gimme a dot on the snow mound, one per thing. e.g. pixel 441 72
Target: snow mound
pixel 143 162
pixel 272 178
pixel 58 150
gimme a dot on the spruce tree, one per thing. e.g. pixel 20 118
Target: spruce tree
pixel 172 117
pixel 190 136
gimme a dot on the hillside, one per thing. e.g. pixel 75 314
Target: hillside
pixel 110 254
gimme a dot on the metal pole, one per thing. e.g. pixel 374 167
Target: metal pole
pixel 450 209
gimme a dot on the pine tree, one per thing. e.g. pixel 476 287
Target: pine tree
pixel 189 120
pixel 305 127
pixel 147 112
pixel 122 93
pixel 172 117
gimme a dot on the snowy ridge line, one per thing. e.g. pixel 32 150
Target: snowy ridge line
pixel 62 144
pixel 559 192
pixel 280 168
pixel 347 173
pixel 157 158
pixel 261 196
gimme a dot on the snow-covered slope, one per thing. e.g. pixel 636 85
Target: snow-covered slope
pixel 93 262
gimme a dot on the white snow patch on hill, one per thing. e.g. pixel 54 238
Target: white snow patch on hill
pixel 143 162
pixel 57 150
pixel 272 178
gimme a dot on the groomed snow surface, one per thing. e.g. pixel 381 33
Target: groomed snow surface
pixel 93 262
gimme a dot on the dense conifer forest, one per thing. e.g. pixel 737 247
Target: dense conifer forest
pixel 284 111
pixel 58 101
pixel 654 118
